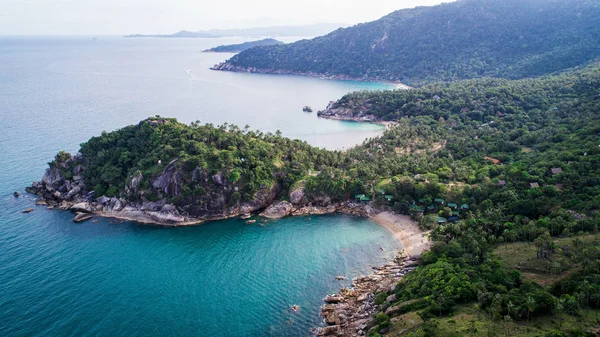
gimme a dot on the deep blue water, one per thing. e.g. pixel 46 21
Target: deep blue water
pixel 111 278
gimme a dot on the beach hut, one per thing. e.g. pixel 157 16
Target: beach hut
pixel 388 197
pixel 493 160
pixel 441 219
pixel 452 205
pixel 361 198
pixel 464 207
pixel 439 201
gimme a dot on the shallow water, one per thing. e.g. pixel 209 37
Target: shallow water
pixel 111 278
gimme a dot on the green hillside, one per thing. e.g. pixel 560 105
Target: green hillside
pixel 459 40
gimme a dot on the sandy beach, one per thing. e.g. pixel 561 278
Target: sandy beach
pixel 414 240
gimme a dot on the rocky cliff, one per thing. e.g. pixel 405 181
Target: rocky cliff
pixel 63 186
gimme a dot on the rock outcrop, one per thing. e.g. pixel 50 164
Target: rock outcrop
pixel 297 196
pixel 350 312
pixel 170 181
pixel 63 186
pixel 80 217
pixel 278 210
pixel 358 113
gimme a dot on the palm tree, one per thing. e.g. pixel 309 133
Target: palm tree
pixel 560 308
pixel 507 320
pixel 530 305
pixel 510 307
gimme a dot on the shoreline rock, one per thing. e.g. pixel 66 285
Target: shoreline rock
pixel 358 115
pixel 57 191
pixel 81 217
pixel 278 210
pixel 350 312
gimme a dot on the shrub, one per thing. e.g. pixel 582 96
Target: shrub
pixel 112 191
pixel 382 320
pixel 380 298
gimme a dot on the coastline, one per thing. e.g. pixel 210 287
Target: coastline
pixel 406 230
pixel 351 311
pixel 387 124
pixel 224 66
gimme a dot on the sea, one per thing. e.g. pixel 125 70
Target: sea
pixel 107 277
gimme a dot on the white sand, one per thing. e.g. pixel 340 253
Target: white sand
pixel 414 240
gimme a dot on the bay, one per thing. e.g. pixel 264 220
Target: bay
pixel 112 278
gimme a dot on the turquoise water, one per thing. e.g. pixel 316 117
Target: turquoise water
pixel 111 278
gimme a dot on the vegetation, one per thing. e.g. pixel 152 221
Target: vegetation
pixel 505 174
pixel 236 48
pixel 192 166
pixel 522 158
pixel 459 40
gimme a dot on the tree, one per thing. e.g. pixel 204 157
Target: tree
pixel 530 305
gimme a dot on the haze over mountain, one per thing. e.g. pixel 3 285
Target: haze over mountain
pixel 299 30
pixel 459 40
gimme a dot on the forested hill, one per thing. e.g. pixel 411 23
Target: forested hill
pixel 505 174
pixel 459 40
pixel 236 48
pixel 518 162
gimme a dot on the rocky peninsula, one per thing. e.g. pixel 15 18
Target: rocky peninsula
pixel 356 114
pixel 219 173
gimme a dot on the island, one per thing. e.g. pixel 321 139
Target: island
pixel 316 29
pixel 236 48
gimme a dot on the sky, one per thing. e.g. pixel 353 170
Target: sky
pixel 118 17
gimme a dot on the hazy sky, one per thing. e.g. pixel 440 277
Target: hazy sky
pixel 116 17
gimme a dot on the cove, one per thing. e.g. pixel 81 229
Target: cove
pixel 111 278
pixel 223 278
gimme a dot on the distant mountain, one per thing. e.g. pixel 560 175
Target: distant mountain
pixel 236 48
pixel 458 40
pixel 304 30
